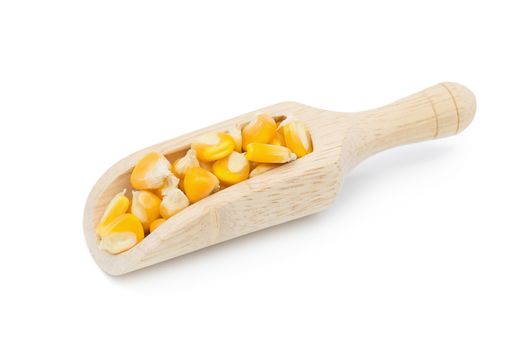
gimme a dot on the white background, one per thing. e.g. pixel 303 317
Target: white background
pixel 424 249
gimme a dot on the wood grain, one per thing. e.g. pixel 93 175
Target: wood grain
pixel 300 188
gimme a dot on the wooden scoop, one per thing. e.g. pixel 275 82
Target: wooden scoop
pixel 300 188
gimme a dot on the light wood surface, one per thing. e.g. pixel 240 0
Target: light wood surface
pixel 300 188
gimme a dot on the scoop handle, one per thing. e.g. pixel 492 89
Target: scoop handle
pixel 442 110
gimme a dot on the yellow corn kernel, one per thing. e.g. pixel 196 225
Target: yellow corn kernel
pixel 262 168
pixel 146 207
pixel 296 136
pixel 213 146
pixel 155 224
pixel 199 183
pixel 173 203
pixel 150 172
pixel 264 153
pixel 232 169
pixel 173 199
pixel 235 133
pixel 260 130
pixel 171 183
pixel 121 234
pixel 277 139
pixel 117 206
pixel 180 166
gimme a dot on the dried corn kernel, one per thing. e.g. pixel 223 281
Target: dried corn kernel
pixel 123 223
pixel 180 166
pixel 262 168
pixel 235 133
pixel 260 130
pixel 296 136
pixel 173 199
pixel 173 203
pixel 171 183
pixel 155 224
pixel 263 153
pixel 199 183
pixel 150 172
pixel 117 206
pixel 232 169
pixel 121 234
pixel 277 139
pixel 118 242
pixel 145 206
pixel 213 146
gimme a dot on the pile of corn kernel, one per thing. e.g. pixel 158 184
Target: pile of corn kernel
pixel 214 161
